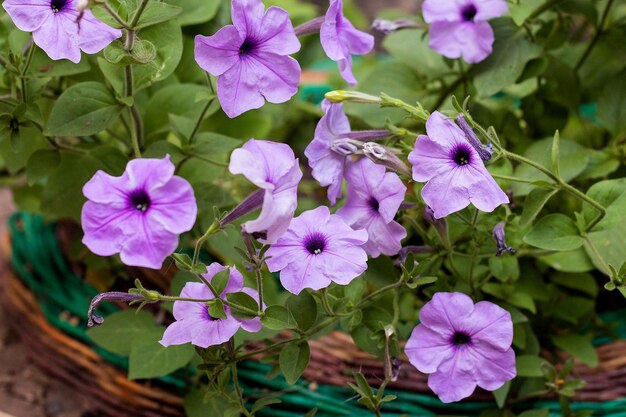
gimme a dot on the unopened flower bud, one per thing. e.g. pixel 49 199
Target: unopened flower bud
pixel 388 26
pixel 346 147
pixel 341 96
pixel 498 235
pixel 384 156
pixel 484 152
pixel 251 203
pixel 82 5
pixel 113 296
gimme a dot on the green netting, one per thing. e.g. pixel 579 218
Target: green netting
pixel 39 262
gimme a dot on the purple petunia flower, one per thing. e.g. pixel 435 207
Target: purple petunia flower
pixel 374 197
pixel 325 151
pixel 251 58
pixel 455 173
pixel 340 40
pixel 272 167
pixel 459 28
pixel 316 249
pixel 462 345
pixel 194 324
pixel 138 215
pixel 57 29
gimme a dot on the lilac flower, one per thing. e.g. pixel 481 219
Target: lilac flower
pixel 194 324
pixel 139 214
pixel 374 198
pixel 57 29
pixel 459 28
pixel 251 58
pixel 462 345
pixel 340 40
pixel 316 249
pixel 273 167
pixel 455 173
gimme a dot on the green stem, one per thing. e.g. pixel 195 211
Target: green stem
pixel 543 8
pixel 207 160
pixel 378 293
pixel 238 390
pixel 512 179
pixel 214 228
pixel 114 15
pixel 599 207
pixel 136 133
pixel 596 37
pixel 138 14
pixel 519 158
pixel 445 93
pixel 259 285
pixel 325 303
pixel 192 136
pixel 29 60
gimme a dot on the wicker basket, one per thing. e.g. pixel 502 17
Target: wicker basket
pixel 333 359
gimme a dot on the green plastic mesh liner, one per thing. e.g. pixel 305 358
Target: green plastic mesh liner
pixel 38 261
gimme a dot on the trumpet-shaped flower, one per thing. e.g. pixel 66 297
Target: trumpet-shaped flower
pixel 59 28
pixel 374 197
pixel 340 40
pixel 272 167
pixel 459 28
pixel 317 249
pixel 251 57
pixel 193 322
pixel 462 345
pixel 138 215
pixel 454 171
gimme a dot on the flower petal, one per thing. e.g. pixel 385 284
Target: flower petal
pixel 174 205
pixel 493 367
pixel 427 349
pixel 437 10
pixel 28 16
pixel 247 16
pixel 471 40
pixel 390 195
pixel 385 238
pixel 179 332
pixel 215 332
pixel 488 9
pixel 106 189
pixel 490 327
pixel 149 174
pixel 447 193
pixel 278 76
pixel 300 275
pixel 218 53
pixel 444 131
pixel 262 162
pixel 189 309
pixel 454 379
pixel 95 35
pixel 238 90
pixel 428 158
pixel 278 35
pixel 149 246
pixel 446 312
pixel 106 226
pixel 485 193
pixel 57 37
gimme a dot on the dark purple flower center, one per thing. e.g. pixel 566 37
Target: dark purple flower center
pixel 461 155
pixel 246 47
pixel 58 5
pixel 373 203
pixel 140 200
pixel 315 243
pixel 468 12
pixel 460 339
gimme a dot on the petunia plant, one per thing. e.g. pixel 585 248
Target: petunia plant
pixel 445 188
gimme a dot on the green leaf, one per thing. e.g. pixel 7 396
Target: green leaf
pixel 578 346
pixel 505 268
pixel 501 393
pixel 534 203
pixel 570 261
pixel 555 232
pixel 41 164
pixel 44 67
pixel 303 308
pixel 183 261
pixel 311 413
pixel 511 52
pixel 529 365
pixel 216 309
pixel 535 413
pixel 612 105
pixel 120 329
pixel 82 110
pixel 520 11
pixel 293 360
pixel 248 307
pixel 277 317
pixel 157 12
pixel 556 169
pixel 220 280
pixel 264 402
pixel 196 11
pixel 149 359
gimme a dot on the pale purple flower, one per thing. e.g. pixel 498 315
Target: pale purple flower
pixel 272 167
pixel 462 345
pixel 251 57
pixel 325 160
pixel 459 28
pixel 194 324
pixel 138 215
pixel 340 40
pixel 317 249
pixel 57 29
pixel 374 197
pixel 455 173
